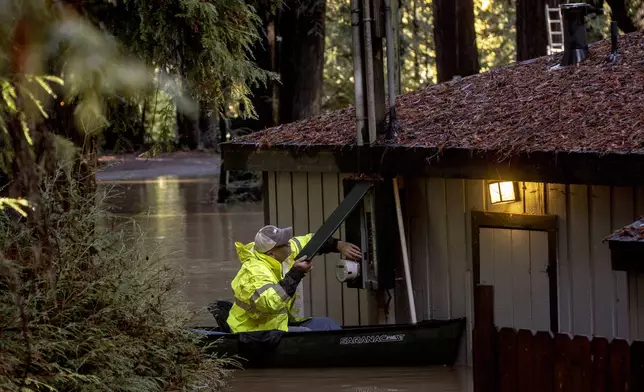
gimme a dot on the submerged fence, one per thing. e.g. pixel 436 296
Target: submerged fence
pixel 508 360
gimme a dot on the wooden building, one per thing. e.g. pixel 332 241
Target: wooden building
pixel 567 141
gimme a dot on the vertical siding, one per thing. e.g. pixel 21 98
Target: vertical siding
pixel 439 236
pixel 603 289
pixel 272 199
pixel 456 250
pixel 316 218
pixel 331 199
pixel 284 199
pixel 304 201
pixel 439 278
pixel 592 299
pixel 623 213
pixel 557 197
pixel 300 200
pixel 586 216
pixel 580 261
pixel 474 200
pixel 418 247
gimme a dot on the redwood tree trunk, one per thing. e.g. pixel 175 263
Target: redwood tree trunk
pixel 620 15
pixel 532 33
pixel 455 38
pixel 187 131
pixel 302 26
pixel 264 51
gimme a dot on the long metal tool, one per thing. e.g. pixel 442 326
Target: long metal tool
pixel 337 217
pixel 403 245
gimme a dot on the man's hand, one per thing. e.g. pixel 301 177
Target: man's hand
pixel 349 251
pixel 303 265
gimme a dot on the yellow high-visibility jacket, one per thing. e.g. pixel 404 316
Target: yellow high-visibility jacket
pixel 260 302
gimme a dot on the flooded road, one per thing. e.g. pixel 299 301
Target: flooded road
pixel 188 229
pixel 185 224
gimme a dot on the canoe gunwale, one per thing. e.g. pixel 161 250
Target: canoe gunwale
pixel 425 324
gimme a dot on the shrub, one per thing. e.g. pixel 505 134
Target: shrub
pixel 83 308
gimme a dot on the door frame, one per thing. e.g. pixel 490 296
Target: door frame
pixel 499 220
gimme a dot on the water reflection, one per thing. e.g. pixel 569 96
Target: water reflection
pixel 186 227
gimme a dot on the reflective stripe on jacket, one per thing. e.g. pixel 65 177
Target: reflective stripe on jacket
pixel 260 302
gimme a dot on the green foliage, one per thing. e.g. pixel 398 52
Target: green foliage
pixel 636 12
pixel 495 33
pixel 103 316
pixel 90 62
pixel 82 307
pixel 17 205
pixel 338 58
pixel 10 107
pixel 207 43
pixel 160 116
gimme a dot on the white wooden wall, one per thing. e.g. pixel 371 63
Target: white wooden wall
pixel 593 300
pixel 304 201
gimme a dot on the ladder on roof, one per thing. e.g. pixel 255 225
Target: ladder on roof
pixel 554 23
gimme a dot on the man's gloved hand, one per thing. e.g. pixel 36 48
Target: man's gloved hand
pixel 295 275
pixel 303 265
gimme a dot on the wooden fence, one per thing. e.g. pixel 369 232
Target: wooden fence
pixel 508 360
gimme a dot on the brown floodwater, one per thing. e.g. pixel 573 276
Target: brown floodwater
pixel 183 223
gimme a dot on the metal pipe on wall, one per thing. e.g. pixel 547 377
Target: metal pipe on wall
pixel 403 245
pixel 391 66
pixel 392 129
pixel 357 71
pixel 368 45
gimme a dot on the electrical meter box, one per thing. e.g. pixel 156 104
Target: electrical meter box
pixel 372 225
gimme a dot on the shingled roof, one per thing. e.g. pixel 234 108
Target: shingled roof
pixel 633 232
pixel 627 247
pixel 527 107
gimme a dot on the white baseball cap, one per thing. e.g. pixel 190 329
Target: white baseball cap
pixel 268 237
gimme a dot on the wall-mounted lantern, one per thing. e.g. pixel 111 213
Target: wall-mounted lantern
pixel 503 192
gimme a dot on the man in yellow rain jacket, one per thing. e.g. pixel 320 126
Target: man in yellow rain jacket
pixel 267 288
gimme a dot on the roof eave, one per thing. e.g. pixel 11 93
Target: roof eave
pixel 549 167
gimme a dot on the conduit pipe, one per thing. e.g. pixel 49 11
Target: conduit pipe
pixel 357 70
pixel 403 246
pixel 368 45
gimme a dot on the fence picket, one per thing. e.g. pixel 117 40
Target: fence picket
pixel 600 366
pixel 580 364
pixel 525 362
pixel 619 366
pixel 543 376
pixel 637 366
pixel 562 363
pixel 508 360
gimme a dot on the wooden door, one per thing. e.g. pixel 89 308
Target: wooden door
pixel 516 263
